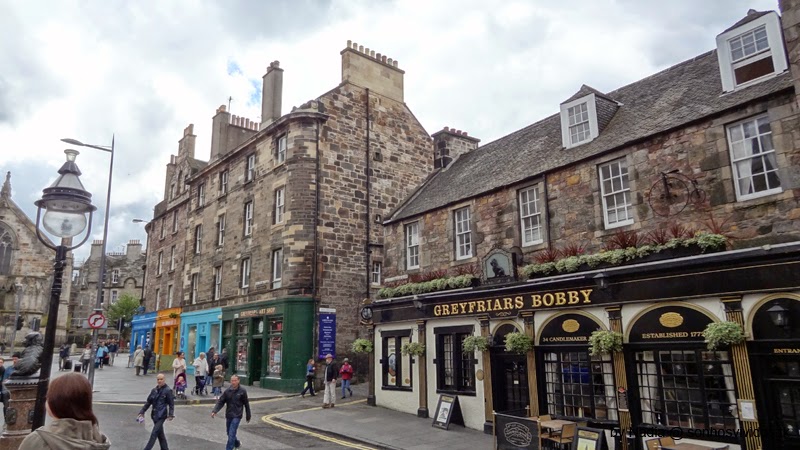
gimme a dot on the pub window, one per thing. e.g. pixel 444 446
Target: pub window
pixel 579 385
pixel 275 347
pixel 455 370
pixel 114 296
pixel 687 388
pixel 530 215
pixel 616 193
pixel 396 367
pixel 412 245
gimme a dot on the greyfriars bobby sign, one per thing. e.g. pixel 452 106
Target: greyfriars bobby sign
pixel 499 267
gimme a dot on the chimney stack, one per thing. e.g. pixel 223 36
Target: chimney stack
pixel 133 250
pixel 375 71
pixel 272 94
pixel 219 132
pixel 449 144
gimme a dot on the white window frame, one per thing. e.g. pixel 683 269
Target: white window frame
pixel 250 170
pixel 201 195
pixel 462 230
pixel 114 296
pixel 172 259
pixel 591 108
pixel 776 51
pixel 744 142
pixel 412 245
pixel 170 292
pixel 280 151
pixel 221 230
pixel 626 192
pixel 530 215
pixel 175 221
pixel 195 285
pixel 160 262
pixel 115 276
pixel 245 273
pixel 375 280
pixel 280 200
pixel 248 219
pixel 277 268
pixel 217 282
pixel 158 299
pixel 198 239
pixel 223 182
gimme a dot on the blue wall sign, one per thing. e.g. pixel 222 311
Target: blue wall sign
pixel 327 335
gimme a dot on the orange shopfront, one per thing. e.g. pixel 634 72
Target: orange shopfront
pixel 167 337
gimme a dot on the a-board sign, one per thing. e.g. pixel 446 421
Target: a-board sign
pixel 589 439
pixel 447 411
pixel 515 433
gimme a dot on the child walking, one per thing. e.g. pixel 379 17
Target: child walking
pixel 218 382
pixel 310 368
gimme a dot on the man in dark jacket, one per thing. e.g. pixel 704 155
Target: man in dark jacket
pixel 163 402
pixel 331 373
pixel 235 399
pixel 148 354
pixel 63 356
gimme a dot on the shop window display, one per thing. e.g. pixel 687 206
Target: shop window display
pixel 579 385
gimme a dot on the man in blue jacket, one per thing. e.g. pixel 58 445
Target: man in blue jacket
pixel 163 402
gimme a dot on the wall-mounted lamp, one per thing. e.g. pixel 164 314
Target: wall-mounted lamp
pixel 601 280
pixel 418 303
pixel 779 315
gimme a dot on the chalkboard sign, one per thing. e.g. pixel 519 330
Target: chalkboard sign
pixel 447 411
pixel 515 433
pixel 589 439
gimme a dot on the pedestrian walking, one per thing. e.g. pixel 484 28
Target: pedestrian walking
pixel 331 372
pixel 86 358
pixel 210 354
pixel 138 359
pixel 311 367
pixel 179 365
pixel 347 373
pixel 218 382
pixel 74 425
pixel 63 356
pixel 162 400
pixel 102 351
pixel 200 372
pixel 148 355
pixel 113 348
pixel 223 359
pixel 234 399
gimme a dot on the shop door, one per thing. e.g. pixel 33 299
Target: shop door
pixel 258 359
pixel 509 382
pixel 782 402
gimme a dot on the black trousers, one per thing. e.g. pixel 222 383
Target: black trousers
pixel 158 433
pixel 309 385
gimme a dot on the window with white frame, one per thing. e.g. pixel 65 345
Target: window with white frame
pixel 578 117
pixel 579 121
pixel 201 195
pixel 195 284
pixel 280 152
pixel 198 239
pixel 158 299
pixel 160 262
pixel 376 273
pixel 616 192
pixel 221 230
pixel 463 233
pixel 277 268
pixel 175 221
pixel 217 282
pixel 755 166
pixel 245 273
pixel 115 276
pixel 248 218
pixel 751 52
pixel 279 205
pixel 172 259
pixel 114 296
pixel 412 245
pixel 250 170
pixel 169 296
pixel 530 215
pixel 223 182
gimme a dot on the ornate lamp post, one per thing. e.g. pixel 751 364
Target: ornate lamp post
pixel 67 205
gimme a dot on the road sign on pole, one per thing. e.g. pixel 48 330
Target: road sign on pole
pixel 96 320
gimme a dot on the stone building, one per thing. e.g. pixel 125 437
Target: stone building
pixel 284 220
pixel 586 221
pixel 124 276
pixel 26 273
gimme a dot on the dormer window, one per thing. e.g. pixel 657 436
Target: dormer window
pixel 751 50
pixel 579 121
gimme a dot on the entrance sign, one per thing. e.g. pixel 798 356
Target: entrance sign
pixel 447 411
pixel 513 432
pixel 327 335
pixel 589 439
pixel 96 320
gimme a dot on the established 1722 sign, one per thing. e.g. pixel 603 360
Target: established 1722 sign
pixel 327 332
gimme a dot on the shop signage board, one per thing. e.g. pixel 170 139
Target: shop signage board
pixel 589 439
pixel 447 411
pixel 669 323
pixel 513 432
pixel 327 334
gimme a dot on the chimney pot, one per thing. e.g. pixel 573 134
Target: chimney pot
pixel 378 55
pixel 390 61
pixel 446 128
pixel 361 48
pixel 383 60
pixel 395 63
pixel 349 43
pixel 465 133
pixel 372 53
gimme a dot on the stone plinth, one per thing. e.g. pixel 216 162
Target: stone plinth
pixel 19 415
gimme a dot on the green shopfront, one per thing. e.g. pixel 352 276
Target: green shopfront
pixel 269 343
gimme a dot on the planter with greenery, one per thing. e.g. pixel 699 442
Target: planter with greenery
pixel 723 334
pixel 603 342
pixel 475 343
pixel 424 287
pixel 362 346
pixel 519 343
pixel 413 349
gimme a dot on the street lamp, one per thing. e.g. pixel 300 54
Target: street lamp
pixel 100 284
pixel 66 204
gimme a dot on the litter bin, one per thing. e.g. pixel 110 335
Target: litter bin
pixel 77 366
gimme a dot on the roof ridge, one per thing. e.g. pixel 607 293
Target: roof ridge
pixel 668 69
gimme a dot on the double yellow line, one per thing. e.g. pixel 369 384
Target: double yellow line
pixel 270 420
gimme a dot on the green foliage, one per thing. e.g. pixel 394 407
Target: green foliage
pixel 362 346
pixel 723 334
pixel 413 349
pixel 473 343
pixel 124 308
pixel 519 343
pixel 602 342
pixel 424 287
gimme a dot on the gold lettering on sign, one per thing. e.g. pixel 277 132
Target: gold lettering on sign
pixel 508 303
pixel 481 307
pixel 548 299
pixel 586 293
pixel 561 299
pixel 786 350
pixel 573 298
pixel 498 305
pixel 518 302
pixel 437 310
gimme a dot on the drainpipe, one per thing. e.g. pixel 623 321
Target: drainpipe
pixel 367 250
pixel 314 269
pixel 547 212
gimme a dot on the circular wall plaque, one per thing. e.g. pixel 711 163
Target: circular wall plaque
pixel 570 325
pixel 479 374
pixel 671 319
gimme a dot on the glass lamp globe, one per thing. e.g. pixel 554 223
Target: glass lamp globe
pixel 64 224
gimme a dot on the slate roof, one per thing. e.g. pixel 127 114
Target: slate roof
pixel 196 165
pixel 661 102
pixel 751 16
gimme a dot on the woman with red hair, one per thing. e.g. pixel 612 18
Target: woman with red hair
pixel 74 425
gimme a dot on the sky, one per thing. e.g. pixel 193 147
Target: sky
pixel 142 71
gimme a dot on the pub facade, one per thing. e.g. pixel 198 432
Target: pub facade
pixel 652 212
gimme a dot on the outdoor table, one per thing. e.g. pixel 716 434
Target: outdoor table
pixel 687 446
pixel 556 424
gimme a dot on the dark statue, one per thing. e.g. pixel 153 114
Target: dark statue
pixel 498 271
pixel 30 360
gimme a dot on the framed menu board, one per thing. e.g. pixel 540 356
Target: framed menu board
pixel 447 411
pixel 589 439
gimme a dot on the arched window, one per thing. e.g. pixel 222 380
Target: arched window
pixel 6 249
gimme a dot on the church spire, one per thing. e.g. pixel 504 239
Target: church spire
pixel 6 192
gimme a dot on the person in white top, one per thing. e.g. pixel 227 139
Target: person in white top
pixel 179 365
pixel 200 372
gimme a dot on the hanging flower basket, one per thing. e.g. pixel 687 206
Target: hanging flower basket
pixel 173 315
pixel 362 346
pixel 413 349
pixel 519 343
pixel 723 334
pixel 475 343
pixel 603 342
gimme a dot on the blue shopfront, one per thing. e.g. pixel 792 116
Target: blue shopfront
pixel 200 330
pixel 142 329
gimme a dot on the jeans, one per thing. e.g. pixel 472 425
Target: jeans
pixel 158 433
pixel 231 426
pixel 346 386
pixel 112 356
